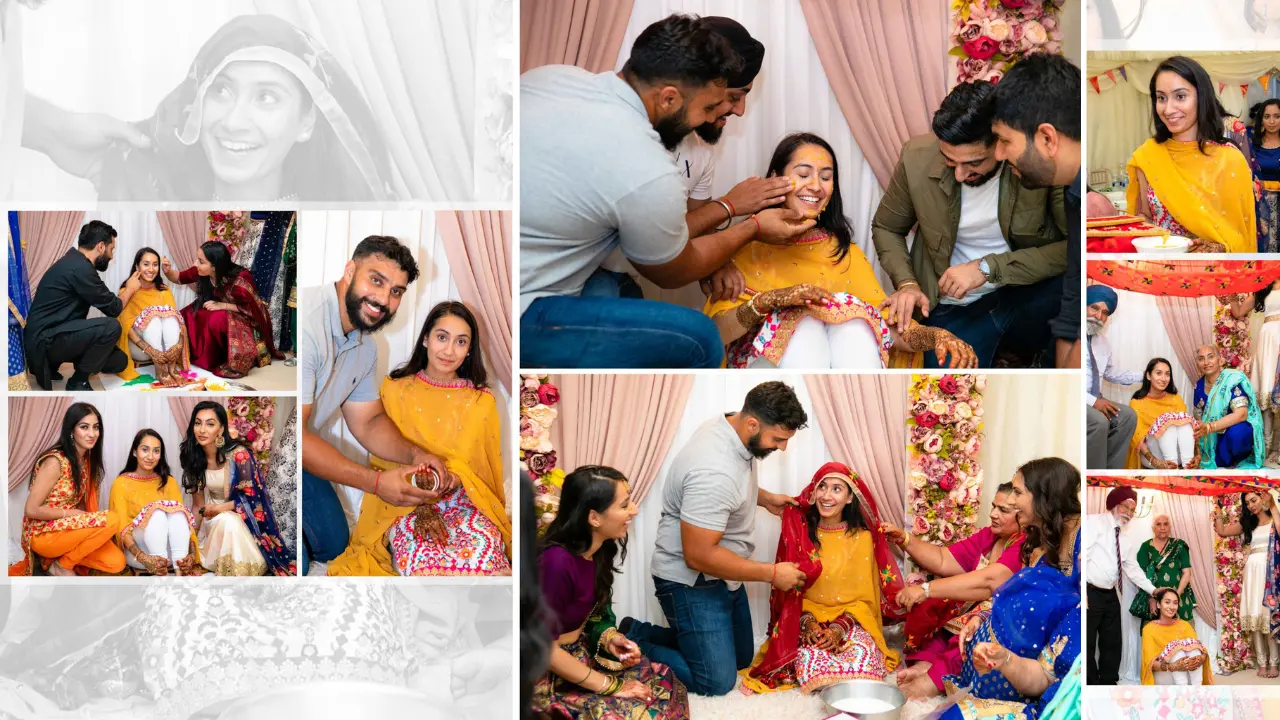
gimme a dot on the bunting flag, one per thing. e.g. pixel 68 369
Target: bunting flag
pixel 1111 75
pixel 1221 87
pixel 1123 74
pixel 1265 80
pixel 1244 89
pixel 1185 278
pixel 1202 485
pixel 1094 82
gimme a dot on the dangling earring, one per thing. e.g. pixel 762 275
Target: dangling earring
pixel 221 441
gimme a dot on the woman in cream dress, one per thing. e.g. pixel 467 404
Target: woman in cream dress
pixel 1266 350
pixel 1257 621
pixel 236 526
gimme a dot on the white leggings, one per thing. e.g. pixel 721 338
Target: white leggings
pixel 161 333
pixel 1176 443
pixel 817 345
pixel 167 535
pixel 1179 678
pixel 1263 646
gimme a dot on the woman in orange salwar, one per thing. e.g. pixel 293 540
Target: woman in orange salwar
pixel 438 401
pixel 62 527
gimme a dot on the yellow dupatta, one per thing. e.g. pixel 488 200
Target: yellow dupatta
pixel 1209 193
pixel 807 260
pixel 848 560
pixel 146 304
pixel 1148 409
pixel 457 423
pixel 134 500
pixel 1156 637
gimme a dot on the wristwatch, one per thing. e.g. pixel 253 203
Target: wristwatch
pixel 986 269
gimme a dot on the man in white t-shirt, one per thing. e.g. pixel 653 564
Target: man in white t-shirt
pixel 988 257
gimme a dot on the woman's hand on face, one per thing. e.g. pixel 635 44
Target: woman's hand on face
pixel 909 596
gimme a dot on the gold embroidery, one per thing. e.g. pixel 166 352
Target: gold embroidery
pixel 226 566
pixel 1050 654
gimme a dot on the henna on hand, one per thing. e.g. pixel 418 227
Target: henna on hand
pixel 746 316
pixel 1206 246
pixel 428 523
pixel 922 338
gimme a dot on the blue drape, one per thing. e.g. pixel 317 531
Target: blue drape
pixel 266 261
pixel 19 304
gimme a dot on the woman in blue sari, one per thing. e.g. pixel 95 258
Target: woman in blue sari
pixel 235 525
pixel 1230 429
pixel 1017 655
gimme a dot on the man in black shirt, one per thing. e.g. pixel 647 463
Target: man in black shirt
pixel 58 329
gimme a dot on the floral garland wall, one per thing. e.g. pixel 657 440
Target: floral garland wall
pixel 250 419
pixel 1229 558
pixel 989 36
pixel 1231 335
pixel 538 398
pixel 944 475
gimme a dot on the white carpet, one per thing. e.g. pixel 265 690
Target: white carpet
pixel 276 377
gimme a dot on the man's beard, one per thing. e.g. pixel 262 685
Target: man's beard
pixel 1093 326
pixel 753 446
pixel 982 180
pixel 709 132
pixel 1035 170
pixel 672 129
pixel 353 312
pixel 102 263
pixel 1123 519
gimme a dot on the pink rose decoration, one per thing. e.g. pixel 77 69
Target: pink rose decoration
pixel 919 407
pixel 948 384
pixel 548 394
pixel 1034 34
pixel 528 398
pixel 1010 47
pixel 947 482
pixel 948 533
pixel 998 29
pixel 973 68
pixel 983 48
pixel 266 412
pixel 539 464
pixel 970 32
pixel 932 444
pixel 1014 4
pixel 927 419
pixel 981 384
pixel 919 525
pixel 531 383
pixel 218 217
pixel 242 411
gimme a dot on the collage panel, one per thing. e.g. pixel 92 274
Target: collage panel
pixel 1184 151
pixel 152 486
pixel 254 650
pixel 406 362
pixel 779 215
pixel 244 101
pixel 802 546
pixel 1179 580
pixel 129 300
pixel 1181 364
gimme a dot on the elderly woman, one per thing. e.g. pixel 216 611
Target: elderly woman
pixel 1166 560
pixel 1230 429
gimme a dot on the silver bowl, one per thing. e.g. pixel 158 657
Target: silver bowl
pixel 345 699
pixel 847 696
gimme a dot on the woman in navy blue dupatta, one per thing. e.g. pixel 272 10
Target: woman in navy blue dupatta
pixel 1016 656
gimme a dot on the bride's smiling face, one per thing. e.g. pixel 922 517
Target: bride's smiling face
pixel 254 113
pixel 813 170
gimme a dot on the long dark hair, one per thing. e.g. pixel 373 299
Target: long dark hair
pixel 472 367
pixel 225 270
pixel 832 218
pixel 1210 115
pixel 1054 485
pixel 1255 114
pixel 590 487
pixel 1260 299
pixel 1146 382
pixel 67 446
pixel 851 516
pixel 191 455
pixel 534 637
pixel 137 259
pixel 1248 521
pixel 162 467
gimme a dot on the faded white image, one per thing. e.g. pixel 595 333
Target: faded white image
pixel 209 650
pixel 1185 24
pixel 255 101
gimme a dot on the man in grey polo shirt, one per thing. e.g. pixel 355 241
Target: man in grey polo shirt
pixel 706 539
pixel 338 361
pixel 596 173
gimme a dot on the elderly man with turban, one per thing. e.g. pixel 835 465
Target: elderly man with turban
pixel 1107 557
pixel 1111 426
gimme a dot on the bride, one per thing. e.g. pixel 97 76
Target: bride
pixel 814 303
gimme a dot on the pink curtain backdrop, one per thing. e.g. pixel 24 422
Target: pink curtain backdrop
pixel 1190 516
pixel 478 245
pixel 863 419
pixel 47 236
pixel 1189 327
pixel 884 61
pixel 624 421
pixel 34 423
pixel 1095 500
pixel 184 232
pixel 181 406
pixel 586 33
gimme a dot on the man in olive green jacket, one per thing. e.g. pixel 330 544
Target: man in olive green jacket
pixel 988 256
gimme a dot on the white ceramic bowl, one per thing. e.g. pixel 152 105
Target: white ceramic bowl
pixel 1153 244
pixel 865 699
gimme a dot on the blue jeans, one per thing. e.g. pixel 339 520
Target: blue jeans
pixel 607 283
pixel 709 639
pixel 1019 313
pixel 324 523
pixel 615 332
